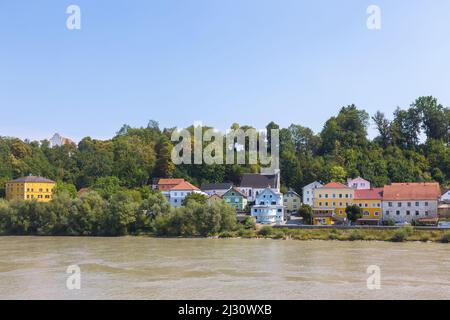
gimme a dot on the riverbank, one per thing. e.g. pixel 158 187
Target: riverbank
pixel 397 235
pixel 403 234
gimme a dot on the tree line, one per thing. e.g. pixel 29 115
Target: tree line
pixel 121 214
pixel 412 145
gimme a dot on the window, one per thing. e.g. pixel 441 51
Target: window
pixel 390 204
pixel 366 213
pixel 340 195
pixel 408 212
pixel 326 195
pixel 417 204
pixel 376 213
pixel 426 204
pixel 397 212
pixel 426 213
pixel 409 204
pixel 417 212
pixel 387 212
pixel 399 204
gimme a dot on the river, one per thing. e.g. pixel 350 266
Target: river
pixel 148 268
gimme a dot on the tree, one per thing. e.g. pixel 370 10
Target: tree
pixel 353 213
pixel 338 174
pixel 107 186
pixel 306 212
pixel 65 187
pixel 195 197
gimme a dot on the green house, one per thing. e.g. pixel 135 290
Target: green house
pixel 235 198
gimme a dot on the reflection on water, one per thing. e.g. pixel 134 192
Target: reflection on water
pixel 146 268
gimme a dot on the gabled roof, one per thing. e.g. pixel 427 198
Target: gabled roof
pixel 255 180
pixel 170 181
pixel 278 194
pixel 29 179
pixel 184 185
pixel 369 194
pixel 235 190
pixel 293 192
pixel 336 185
pixel 412 191
pixel 312 184
pixel 216 186
pixel 215 195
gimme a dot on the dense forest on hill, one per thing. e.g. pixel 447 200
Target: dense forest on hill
pixel 412 145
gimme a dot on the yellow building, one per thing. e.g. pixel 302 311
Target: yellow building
pixel 333 198
pixel 370 203
pixel 30 188
pixel 292 201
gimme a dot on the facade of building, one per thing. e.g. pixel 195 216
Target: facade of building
pixel 235 198
pixel 333 197
pixel 308 193
pixel 216 188
pixel 58 141
pixel 292 201
pixel 253 184
pixel 214 198
pixel 268 208
pixel 177 193
pixel 405 202
pixel 30 188
pixel 370 202
pixel 358 183
pixel 445 197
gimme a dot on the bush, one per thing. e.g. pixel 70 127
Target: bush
pixel 265 231
pixel 445 237
pixel 356 235
pixel 278 235
pixel 226 234
pixel 245 233
pixel 399 235
pixel 249 223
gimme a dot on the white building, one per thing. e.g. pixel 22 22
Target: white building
pixel 358 183
pixel 253 184
pixel 177 193
pixel 445 196
pixel 268 208
pixel 405 202
pixel 58 141
pixel 308 192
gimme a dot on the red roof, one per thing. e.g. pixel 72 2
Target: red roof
pixel 335 185
pixel 412 191
pixel 170 181
pixel 369 194
pixel 184 185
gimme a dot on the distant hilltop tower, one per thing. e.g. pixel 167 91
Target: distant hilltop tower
pixel 57 141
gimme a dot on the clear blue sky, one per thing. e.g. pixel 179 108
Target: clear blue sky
pixel 215 61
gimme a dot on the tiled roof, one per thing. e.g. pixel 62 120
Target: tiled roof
pixel 369 194
pixel 216 186
pixel 184 185
pixel 170 181
pixel 335 185
pixel 237 191
pixel 412 191
pixel 29 179
pixel 255 180
pixel 293 192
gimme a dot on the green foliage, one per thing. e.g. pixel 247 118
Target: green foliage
pixel 265 231
pixel 445 237
pixel 354 213
pixel 249 223
pixel 196 197
pixel 306 213
pixel 62 187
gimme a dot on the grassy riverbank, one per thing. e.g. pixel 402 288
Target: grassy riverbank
pixel 398 235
